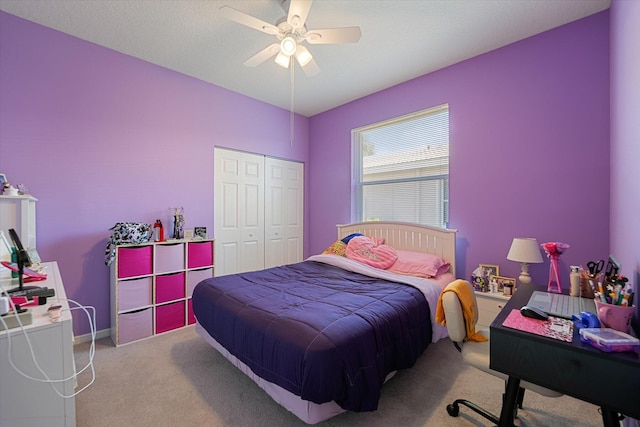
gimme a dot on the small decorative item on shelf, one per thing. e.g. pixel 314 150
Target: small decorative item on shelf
pixel 200 232
pixel 508 289
pixel 554 250
pixel 23 189
pixel 178 223
pixel 158 231
pixel 479 283
pixel 502 282
pixel 3 182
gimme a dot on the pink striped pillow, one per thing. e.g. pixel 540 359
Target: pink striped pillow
pixel 366 251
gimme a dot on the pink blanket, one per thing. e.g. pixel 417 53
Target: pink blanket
pixel 364 250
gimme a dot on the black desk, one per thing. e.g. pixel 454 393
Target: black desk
pixel 608 380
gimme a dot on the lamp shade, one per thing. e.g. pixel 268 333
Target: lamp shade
pixel 525 249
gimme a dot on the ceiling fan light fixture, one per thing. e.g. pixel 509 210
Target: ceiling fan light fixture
pixel 303 56
pixel 283 60
pixel 288 46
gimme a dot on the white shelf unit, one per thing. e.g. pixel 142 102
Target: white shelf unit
pixel 152 284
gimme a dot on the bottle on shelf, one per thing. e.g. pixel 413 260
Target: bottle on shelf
pixel 158 231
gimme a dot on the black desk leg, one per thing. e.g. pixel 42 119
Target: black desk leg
pixel 609 418
pixel 509 402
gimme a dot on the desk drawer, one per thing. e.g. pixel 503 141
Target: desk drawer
pixel 488 309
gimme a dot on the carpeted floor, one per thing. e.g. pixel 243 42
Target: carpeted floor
pixel 176 379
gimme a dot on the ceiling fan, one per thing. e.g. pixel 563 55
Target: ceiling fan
pixel 291 32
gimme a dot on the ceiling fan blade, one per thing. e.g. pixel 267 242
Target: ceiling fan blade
pixel 263 55
pixel 334 35
pixel 248 20
pixel 311 69
pixel 298 12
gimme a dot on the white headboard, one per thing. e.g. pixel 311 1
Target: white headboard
pixel 409 237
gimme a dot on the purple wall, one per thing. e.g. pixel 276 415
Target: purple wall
pixel 625 140
pixel 100 137
pixel 529 135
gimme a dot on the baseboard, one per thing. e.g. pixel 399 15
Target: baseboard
pixel 79 339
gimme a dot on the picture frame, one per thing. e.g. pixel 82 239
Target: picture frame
pixel 502 280
pixel 200 232
pixel 489 270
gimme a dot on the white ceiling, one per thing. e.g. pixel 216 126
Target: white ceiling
pixel 401 39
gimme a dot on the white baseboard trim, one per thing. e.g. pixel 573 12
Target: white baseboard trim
pixel 78 339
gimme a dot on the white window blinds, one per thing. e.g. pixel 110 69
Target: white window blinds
pixel 401 168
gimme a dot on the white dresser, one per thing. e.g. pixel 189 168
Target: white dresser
pixel 25 402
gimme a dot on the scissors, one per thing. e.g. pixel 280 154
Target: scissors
pixel 595 267
pixel 612 268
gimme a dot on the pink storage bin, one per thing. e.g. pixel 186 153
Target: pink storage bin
pixel 135 261
pixel 169 257
pixel 134 293
pixel 191 318
pixel 196 276
pixel 170 316
pixel 200 254
pixel 135 325
pixel 169 287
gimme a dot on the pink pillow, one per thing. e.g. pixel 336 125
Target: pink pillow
pixel 366 251
pixel 419 264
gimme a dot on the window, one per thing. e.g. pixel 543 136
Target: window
pixel 402 169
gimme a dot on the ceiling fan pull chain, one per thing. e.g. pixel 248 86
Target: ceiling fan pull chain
pixel 292 66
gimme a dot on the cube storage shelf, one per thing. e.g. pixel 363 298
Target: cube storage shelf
pixel 152 284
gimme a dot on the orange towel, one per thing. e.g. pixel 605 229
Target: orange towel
pixel 461 288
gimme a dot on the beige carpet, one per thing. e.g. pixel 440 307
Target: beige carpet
pixel 176 379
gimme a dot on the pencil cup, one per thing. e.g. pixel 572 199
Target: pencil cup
pixel 617 317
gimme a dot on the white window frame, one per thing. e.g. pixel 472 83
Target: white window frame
pixel 441 191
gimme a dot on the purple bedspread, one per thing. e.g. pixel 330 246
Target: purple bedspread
pixel 318 331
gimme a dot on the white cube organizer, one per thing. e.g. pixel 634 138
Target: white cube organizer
pixel 151 286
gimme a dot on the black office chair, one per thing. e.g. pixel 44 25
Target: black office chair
pixel 476 353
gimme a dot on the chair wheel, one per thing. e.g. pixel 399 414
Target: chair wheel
pixel 453 409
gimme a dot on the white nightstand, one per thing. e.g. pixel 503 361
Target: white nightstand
pixel 489 305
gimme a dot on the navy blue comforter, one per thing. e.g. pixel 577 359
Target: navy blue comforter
pixel 318 331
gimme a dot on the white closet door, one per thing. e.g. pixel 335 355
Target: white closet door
pixel 284 212
pixel 239 211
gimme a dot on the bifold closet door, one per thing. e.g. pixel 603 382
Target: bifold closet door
pixel 239 211
pixel 284 212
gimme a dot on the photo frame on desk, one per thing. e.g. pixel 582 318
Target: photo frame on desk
pixel 502 281
pixel 489 270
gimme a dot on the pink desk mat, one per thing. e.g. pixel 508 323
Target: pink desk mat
pixel 555 327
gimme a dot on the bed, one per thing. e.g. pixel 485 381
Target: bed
pixel 322 336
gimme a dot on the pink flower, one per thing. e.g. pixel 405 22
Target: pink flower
pixel 554 248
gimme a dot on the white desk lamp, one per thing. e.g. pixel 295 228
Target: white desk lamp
pixel 526 251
